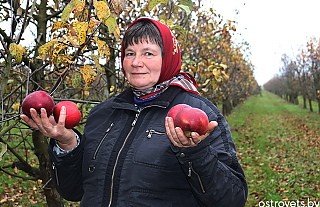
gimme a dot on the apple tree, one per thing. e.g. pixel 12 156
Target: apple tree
pixel 69 49
pixel 299 76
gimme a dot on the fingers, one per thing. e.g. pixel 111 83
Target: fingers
pixel 29 121
pixel 44 121
pixel 171 131
pixel 35 121
pixel 198 138
pixel 48 127
pixel 177 136
pixel 52 121
pixel 179 139
pixel 211 126
pixel 62 117
pixel 40 123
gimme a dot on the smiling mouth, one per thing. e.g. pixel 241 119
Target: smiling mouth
pixel 138 73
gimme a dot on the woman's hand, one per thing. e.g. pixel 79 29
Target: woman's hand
pixel 49 128
pixel 179 139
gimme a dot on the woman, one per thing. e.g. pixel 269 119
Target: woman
pixel 130 153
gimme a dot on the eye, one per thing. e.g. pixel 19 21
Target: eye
pixel 129 54
pixel 149 54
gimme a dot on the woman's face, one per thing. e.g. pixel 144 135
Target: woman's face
pixel 142 64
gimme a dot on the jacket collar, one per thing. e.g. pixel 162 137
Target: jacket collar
pixel 125 99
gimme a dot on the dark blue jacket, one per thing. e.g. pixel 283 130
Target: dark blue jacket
pixel 126 159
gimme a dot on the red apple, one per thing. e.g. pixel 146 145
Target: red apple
pixel 73 114
pixel 191 120
pixel 175 110
pixel 37 100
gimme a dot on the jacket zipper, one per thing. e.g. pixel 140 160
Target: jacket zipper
pixel 105 135
pixel 152 131
pixel 56 172
pixel 199 179
pixel 116 162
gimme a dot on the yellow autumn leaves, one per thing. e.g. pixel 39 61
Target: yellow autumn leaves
pixel 218 72
pixel 89 75
pixel 102 11
pixel 17 51
pixel 79 35
pixel 153 3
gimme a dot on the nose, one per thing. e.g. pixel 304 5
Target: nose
pixel 137 61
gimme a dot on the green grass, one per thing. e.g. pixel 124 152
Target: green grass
pixel 16 191
pixel 278 146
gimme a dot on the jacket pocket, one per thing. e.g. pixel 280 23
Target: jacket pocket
pixel 192 171
pixel 91 165
pixel 154 150
pixel 95 154
pixel 54 168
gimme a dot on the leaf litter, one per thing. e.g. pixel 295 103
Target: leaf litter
pixel 279 153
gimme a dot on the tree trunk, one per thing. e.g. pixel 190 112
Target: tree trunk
pixel 304 101
pixel 111 78
pixel 235 102
pixel 296 100
pixel 226 107
pixel 41 150
pixel 39 140
pixel 41 39
pixel 310 105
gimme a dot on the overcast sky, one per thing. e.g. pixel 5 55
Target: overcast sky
pixel 272 28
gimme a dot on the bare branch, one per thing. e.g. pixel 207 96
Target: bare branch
pixel 2 32
pixel 21 164
pixel 76 101
pixel 5 130
pixel 17 176
pixel 24 22
pixel 54 14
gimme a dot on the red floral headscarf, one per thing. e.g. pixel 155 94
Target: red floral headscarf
pixel 171 60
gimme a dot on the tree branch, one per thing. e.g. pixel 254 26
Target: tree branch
pixel 17 176
pixel 76 101
pixel 21 164
pixel 54 14
pixel 3 41
pixel 24 23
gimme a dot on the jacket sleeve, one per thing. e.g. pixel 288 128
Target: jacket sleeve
pixel 66 171
pixel 212 168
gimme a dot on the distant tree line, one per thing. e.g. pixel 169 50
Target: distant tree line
pixel 299 76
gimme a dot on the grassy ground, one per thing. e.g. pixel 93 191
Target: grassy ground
pixel 278 146
pixel 17 191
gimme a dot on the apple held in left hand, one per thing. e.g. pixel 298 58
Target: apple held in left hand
pixel 189 126
pixel 176 109
pixel 191 120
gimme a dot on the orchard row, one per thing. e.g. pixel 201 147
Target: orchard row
pixel 299 76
